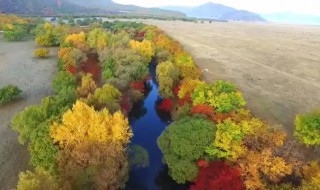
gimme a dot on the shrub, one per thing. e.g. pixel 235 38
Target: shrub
pixel 15 34
pixel 43 53
pixel 8 93
pixel 308 128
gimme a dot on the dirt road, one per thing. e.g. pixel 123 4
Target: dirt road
pixel 277 67
pixel 33 76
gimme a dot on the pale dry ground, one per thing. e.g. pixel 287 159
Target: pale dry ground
pixel 33 76
pixel 277 67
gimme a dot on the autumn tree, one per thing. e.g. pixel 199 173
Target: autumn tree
pixel 311 176
pixel 187 66
pixel 91 125
pixel 308 128
pixel 261 164
pixel 145 48
pixel 183 143
pixel 168 77
pixel 98 39
pixel 202 109
pixel 187 86
pixel 94 165
pixel 87 86
pixel 37 180
pixel 218 175
pixel 77 41
pixel 221 95
pixel 229 138
pixel 105 97
pixel 71 57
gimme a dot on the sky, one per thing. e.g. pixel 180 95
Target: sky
pixel 309 7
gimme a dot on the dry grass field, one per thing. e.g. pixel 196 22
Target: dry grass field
pixel 33 76
pixel 277 67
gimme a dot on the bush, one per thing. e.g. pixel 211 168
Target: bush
pixel 8 93
pixel 15 34
pixel 308 128
pixel 43 53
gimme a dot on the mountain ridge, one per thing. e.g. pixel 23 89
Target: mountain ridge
pixel 217 11
pixel 54 7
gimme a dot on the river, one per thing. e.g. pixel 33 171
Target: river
pixel 147 125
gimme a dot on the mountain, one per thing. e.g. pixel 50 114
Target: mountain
pixel 52 7
pixel 39 7
pixel 217 11
pixel 109 5
pixel 241 15
pixel 291 18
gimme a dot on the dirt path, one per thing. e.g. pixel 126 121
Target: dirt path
pixel 33 76
pixel 277 67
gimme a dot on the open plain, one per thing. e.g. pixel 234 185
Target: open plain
pixel 277 67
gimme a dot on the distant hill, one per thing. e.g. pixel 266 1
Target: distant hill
pixel 291 18
pixel 51 7
pixel 40 7
pixel 217 11
pixel 109 5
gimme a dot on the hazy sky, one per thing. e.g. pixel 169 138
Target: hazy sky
pixel 311 7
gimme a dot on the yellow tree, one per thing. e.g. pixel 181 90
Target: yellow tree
pixel 84 124
pixel 98 38
pixel 145 48
pixel 87 86
pixel 187 86
pixel 78 41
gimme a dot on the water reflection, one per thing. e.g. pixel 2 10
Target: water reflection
pixel 147 125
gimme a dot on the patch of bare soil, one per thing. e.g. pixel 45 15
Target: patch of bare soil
pixel 33 76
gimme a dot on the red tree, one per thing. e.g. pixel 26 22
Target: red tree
pixel 185 100
pixel 166 105
pixel 138 85
pixel 72 69
pixel 218 176
pixel 202 109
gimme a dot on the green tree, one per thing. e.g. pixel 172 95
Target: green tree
pixel 65 85
pixel 308 128
pixel 106 97
pixel 221 95
pixel 183 143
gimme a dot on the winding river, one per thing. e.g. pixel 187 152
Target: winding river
pixel 147 125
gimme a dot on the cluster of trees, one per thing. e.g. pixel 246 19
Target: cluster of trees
pixel 79 137
pixel 17 28
pixel 217 144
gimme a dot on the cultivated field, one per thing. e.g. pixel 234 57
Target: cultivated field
pixel 277 67
pixel 33 76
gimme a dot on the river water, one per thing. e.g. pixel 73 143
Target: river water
pixel 147 125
